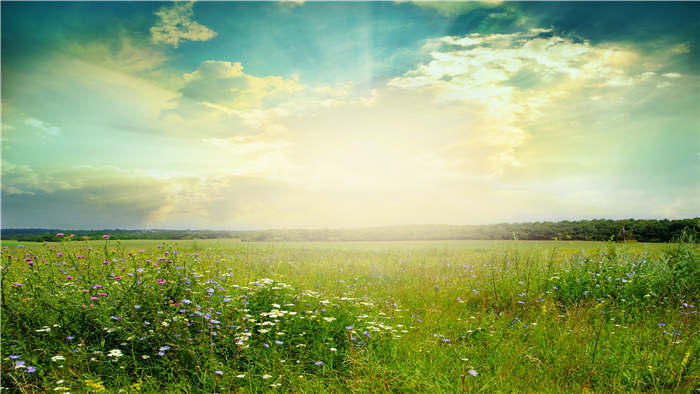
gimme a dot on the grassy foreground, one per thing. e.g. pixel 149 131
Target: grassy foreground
pixel 462 316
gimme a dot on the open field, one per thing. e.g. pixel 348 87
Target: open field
pixel 434 316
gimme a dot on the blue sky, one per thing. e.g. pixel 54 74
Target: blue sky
pixel 259 115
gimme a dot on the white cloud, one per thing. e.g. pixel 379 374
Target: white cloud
pixel 225 87
pixel 47 128
pixel 291 3
pixel 123 54
pixel 489 129
pixel 175 25
pixel 514 77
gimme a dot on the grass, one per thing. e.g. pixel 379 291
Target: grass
pixel 457 316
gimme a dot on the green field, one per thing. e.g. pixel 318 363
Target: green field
pixel 433 316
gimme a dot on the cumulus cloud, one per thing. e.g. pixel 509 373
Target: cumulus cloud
pixel 492 127
pixel 175 25
pixel 496 68
pixel 224 86
pixel 514 77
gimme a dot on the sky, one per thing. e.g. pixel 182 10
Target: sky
pixel 234 115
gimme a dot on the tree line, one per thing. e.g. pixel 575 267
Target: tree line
pixel 644 230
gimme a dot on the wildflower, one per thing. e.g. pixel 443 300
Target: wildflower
pixel 241 376
pixel 219 372
pixel 266 376
pixel 106 236
pixel 58 358
pixel 473 372
pixel 19 364
pixel 318 363
pixel 279 342
pixel 30 369
pixel 137 306
pixel 116 353
pixel 14 357
pixel 59 234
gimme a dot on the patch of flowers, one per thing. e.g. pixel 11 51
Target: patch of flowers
pixel 115 312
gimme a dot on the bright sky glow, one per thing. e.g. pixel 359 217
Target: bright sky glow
pixel 268 115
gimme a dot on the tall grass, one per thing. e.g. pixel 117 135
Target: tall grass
pixel 373 317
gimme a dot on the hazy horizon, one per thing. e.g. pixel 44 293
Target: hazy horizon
pixel 251 116
pixel 324 228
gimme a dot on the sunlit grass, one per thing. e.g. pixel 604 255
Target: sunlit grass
pixel 220 316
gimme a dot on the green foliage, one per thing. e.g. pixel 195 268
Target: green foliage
pixel 628 230
pixel 221 316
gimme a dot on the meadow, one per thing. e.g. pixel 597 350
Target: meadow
pixel 433 316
